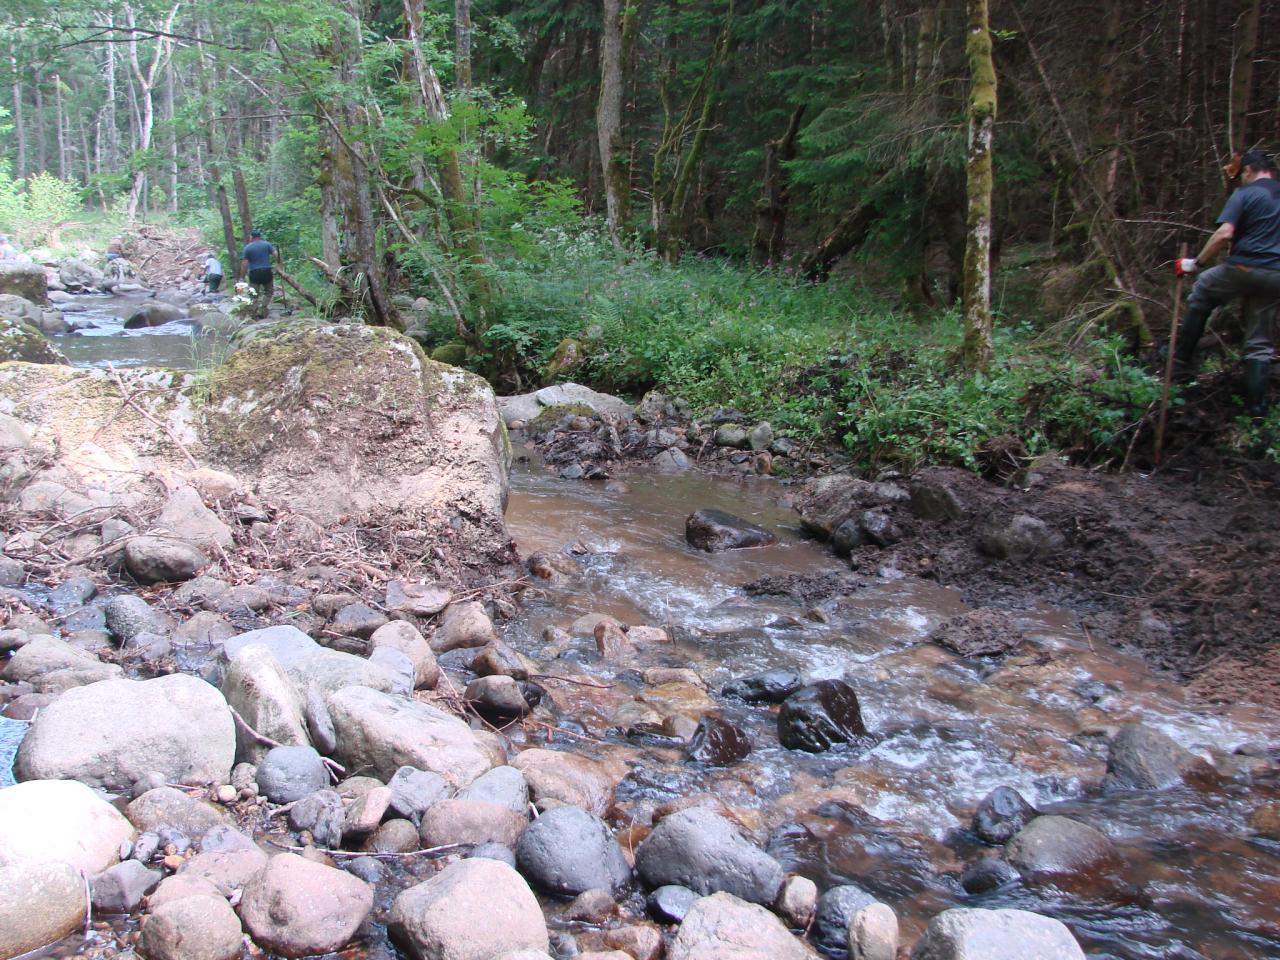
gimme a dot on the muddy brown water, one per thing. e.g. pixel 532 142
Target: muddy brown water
pixel 890 815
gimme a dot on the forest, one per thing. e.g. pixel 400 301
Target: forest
pixel 756 196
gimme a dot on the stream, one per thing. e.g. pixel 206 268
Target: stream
pixel 891 815
pixel 101 339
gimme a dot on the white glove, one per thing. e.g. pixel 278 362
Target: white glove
pixel 1187 266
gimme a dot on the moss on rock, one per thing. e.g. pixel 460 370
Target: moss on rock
pixel 24 280
pixel 453 353
pixel 20 340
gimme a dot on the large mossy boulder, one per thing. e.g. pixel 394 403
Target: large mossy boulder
pixel 20 340
pixel 339 420
pixel 26 280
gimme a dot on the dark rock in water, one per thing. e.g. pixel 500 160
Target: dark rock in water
pixel 153 314
pixel 669 904
pixel 772 686
pixel 72 593
pixel 718 743
pixel 415 791
pixel 568 851
pixel 323 814
pixel 817 717
pixel 697 849
pixel 86 618
pixel 989 874
pixel 367 869
pixel 573 471
pixel 715 530
pixel 979 633
pixel 1020 538
pixel 494 851
pixel 836 908
pixel 128 616
pixel 1001 814
pixel 846 538
pixel 120 889
pixel 1144 759
pixel 497 698
pixel 878 528
pixel 290 773
pixel 1051 849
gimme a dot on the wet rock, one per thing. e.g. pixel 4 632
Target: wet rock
pixel 128 616
pixel 414 791
pixel 568 851
pixel 463 625
pixel 797 901
pixel 179 886
pixel 817 717
pixel 1021 538
pixel 718 743
pixel 1053 848
pixel 672 460
pixel 358 620
pixel 257 688
pixel 1265 820
pixel 1140 758
pixel 297 908
pixel 723 927
pixel 612 642
pixel 990 873
pixel 120 889
pixel 979 633
pixel 470 822
pixel 878 528
pixel 25 343
pixel 404 638
pixel 416 599
pixel 847 537
pixel 53 666
pixel 827 502
pixel 186 518
pixel 931 500
pixel 474 909
pixel 697 849
pixel 497 698
pixel 321 813
pixel 152 314
pixel 761 436
pixel 39 904
pixel 60 820
pixel 367 812
pixel 381 734
pixel 498 659
pixel 1001 814
pixel 504 786
pixel 495 851
pixel 772 686
pixel 192 928
pixel 227 870
pixel 556 778
pixel 732 435
pixel 671 902
pixel 26 280
pixel 166 807
pixel 286 774
pixel 110 733
pixel 715 530
pixel 836 908
pixel 592 906
pixel 968 934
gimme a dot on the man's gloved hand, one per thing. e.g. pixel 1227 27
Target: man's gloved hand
pixel 1186 266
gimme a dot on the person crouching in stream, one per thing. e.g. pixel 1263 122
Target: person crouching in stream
pixel 255 264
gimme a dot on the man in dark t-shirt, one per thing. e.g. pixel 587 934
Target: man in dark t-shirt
pixel 255 264
pixel 1250 223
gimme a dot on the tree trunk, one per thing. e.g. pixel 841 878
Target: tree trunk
pixel 614 164
pixel 146 82
pixel 172 139
pixel 112 125
pixel 847 235
pixel 768 246
pixel 242 199
pixel 19 126
pixel 1245 42
pixel 42 156
pixel 462 53
pixel 60 118
pixel 976 288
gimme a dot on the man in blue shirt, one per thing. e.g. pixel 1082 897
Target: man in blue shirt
pixel 1250 223
pixel 255 262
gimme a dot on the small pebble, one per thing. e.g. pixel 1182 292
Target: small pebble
pixel 227 793
pixel 173 862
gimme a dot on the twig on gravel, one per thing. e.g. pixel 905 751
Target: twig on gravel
pixel 479 591
pixel 552 731
pixel 88 904
pixel 425 852
pixel 335 768
pixel 581 683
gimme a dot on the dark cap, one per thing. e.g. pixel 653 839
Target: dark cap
pixel 256 233
pixel 1256 160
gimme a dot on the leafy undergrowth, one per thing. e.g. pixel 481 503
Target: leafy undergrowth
pixel 829 363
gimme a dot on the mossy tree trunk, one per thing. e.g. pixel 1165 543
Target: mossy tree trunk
pixel 976 291
pixel 614 163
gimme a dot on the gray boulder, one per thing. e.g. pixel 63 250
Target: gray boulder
pixel 1057 849
pixel 505 786
pixel 26 280
pixel 1022 537
pixel 163 559
pixel 77 274
pixel 53 666
pixel 836 908
pixel 166 808
pixel 111 733
pixel 321 813
pixel 723 927
pixel 697 849
pixel 298 908
pixel 472 822
pixel 968 934
pixel 40 903
pixel 414 791
pixel 257 688
pixel 715 530
pixel 1001 814
pixel 186 517
pixel 568 851
pixel 192 928
pixel 128 616
pixel 120 889
pixel 463 625
pixel 60 820
pixel 1141 758
pixel 153 314
pixel 290 773
pixel 403 637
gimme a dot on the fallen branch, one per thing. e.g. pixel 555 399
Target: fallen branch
pixel 152 420
pixel 302 291
pixel 335 769
pixel 425 852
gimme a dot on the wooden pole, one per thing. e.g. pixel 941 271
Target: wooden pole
pixel 1168 362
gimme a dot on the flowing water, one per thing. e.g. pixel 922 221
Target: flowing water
pixel 892 816
pixel 176 345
